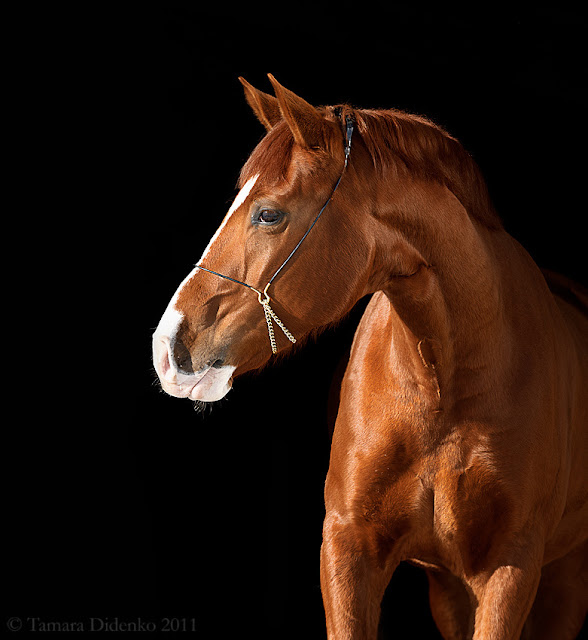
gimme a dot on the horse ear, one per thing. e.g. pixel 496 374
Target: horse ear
pixel 304 120
pixel 264 106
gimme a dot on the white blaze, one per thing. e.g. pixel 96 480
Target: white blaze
pixel 215 383
pixel 239 200
pixel 172 316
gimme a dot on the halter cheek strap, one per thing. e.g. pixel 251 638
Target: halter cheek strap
pixel 263 296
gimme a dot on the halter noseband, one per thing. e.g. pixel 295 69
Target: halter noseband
pixel 263 296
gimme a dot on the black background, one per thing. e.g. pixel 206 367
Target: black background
pixel 125 502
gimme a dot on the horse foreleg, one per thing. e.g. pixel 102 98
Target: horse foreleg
pixel 451 605
pixel 505 596
pixel 354 577
pixel 561 604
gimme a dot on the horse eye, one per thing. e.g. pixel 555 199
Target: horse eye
pixel 268 216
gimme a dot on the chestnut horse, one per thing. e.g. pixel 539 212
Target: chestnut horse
pixel 461 437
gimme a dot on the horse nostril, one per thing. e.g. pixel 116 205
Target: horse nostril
pixel 164 363
pixel 162 359
pixel 182 358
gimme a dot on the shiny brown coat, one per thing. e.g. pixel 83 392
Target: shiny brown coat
pixel 461 439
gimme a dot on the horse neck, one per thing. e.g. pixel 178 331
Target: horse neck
pixel 441 273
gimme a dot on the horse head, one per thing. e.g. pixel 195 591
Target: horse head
pixel 215 329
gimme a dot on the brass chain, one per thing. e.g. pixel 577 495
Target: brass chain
pixel 269 315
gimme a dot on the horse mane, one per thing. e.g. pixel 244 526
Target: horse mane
pixel 396 141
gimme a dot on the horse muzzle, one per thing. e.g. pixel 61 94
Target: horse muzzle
pixel 211 383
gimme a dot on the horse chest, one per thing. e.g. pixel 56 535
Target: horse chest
pixel 447 506
pixel 465 512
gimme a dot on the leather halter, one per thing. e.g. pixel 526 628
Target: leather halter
pixel 263 296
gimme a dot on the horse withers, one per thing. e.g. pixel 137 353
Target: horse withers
pixel 461 436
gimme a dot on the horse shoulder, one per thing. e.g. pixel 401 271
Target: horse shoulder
pixel 377 439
